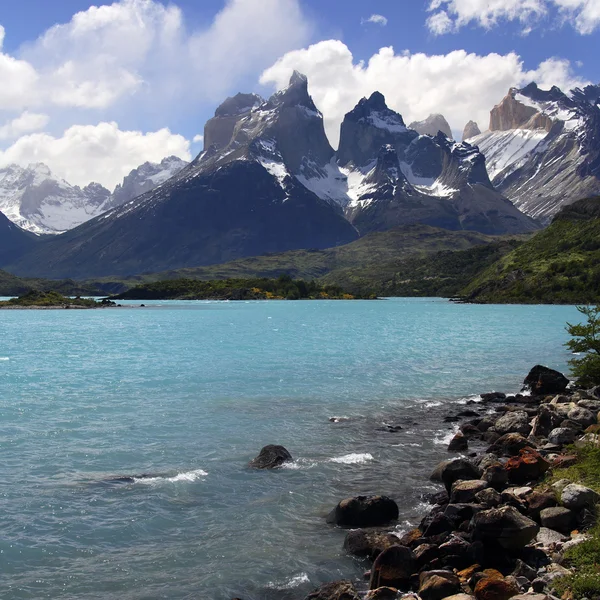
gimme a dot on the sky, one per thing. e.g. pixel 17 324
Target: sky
pixel 95 89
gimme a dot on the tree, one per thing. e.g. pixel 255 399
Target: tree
pixel 586 341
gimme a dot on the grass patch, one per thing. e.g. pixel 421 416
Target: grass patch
pixel 585 557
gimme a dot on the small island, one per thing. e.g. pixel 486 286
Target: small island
pixel 47 300
pixel 282 288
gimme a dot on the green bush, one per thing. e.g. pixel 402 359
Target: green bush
pixel 586 340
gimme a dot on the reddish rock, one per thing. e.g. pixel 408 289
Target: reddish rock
pixel 528 466
pixel 435 585
pixel 393 568
pixel 496 588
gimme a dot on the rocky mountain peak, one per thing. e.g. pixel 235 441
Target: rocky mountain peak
pixel 471 130
pixel 431 125
pixel 513 113
pixel 296 94
pixel 239 104
pixel 97 194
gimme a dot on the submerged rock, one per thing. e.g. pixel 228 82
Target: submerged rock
pixel 364 511
pixel 271 456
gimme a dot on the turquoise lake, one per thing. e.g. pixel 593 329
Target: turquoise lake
pixel 189 392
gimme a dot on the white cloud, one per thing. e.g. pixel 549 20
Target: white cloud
pixel 101 153
pixel 24 123
pixel 461 85
pixel 198 138
pixel 376 20
pixel 451 15
pixel 135 59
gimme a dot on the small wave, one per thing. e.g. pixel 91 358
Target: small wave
pixel 4 357
pixel 433 404
pixel 341 419
pixel 411 444
pixel 443 438
pixel 187 476
pixel 352 459
pixel 290 583
pixel 299 463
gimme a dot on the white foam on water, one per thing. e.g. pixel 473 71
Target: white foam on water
pixel 433 404
pixel 353 459
pixel 412 444
pixel 186 476
pixel 290 583
pixel 443 438
pixel 335 419
pixel 299 463
pixel 4 358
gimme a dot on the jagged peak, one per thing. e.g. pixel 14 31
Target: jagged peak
pixel 239 104
pixel 298 78
pixel 432 125
pixel 375 112
pixel 296 94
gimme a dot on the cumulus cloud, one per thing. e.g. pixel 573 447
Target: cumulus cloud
pixel 376 20
pixel 461 85
pixel 451 15
pixel 198 138
pixel 101 153
pixel 24 123
pixel 137 60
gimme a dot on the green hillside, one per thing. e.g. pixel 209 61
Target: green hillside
pixel 381 263
pixel 560 265
pixel 11 285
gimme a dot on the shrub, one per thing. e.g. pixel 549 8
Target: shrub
pixel 586 340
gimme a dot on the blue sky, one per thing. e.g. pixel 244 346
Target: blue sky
pixel 95 91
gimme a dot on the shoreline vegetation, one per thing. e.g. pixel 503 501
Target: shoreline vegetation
pixel 515 516
pixel 282 288
pixel 54 300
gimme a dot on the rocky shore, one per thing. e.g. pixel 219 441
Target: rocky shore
pixel 501 523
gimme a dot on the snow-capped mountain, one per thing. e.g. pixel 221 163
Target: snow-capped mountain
pixel 385 174
pixel 543 147
pixel 238 199
pixel 432 125
pixel 145 178
pixel 36 200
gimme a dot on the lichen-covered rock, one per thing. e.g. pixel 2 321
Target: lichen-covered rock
pixel 542 380
pixel 271 456
pixel 393 568
pixel 576 497
pixel 513 422
pixel 582 415
pixel 336 590
pixel 505 526
pixel 489 497
pixel 528 466
pixel 548 537
pixel 496 588
pixel 364 511
pixel 562 435
pixel 465 491
pixel 436 585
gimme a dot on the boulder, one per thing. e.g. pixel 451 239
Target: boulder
pixel 587 439
pixel 496 588
pixel 436 474
pixel 458 469
pixel 493 397
pixel 336 590
pixel 460 597
pixel 489 497
pixel 582 415
pixel 505 526
pixel 465 491
pixel 538 501
pixel 486 460
pixel 562 435
pixel 524 570
pixel 382 593
pixel 411 538
pixel 364 511
pixel 528 466
pixel 590 404
pixel 271 456
pixel 360 542
pixel 548 537
pixel 510 444
pixel 425 553
pixel 542 380
pixel 558 518
pixel 496 476
pixel 513 422
pixel 546 420
pixel 577 497
pixel 436 585
pixel 458 443
pixel 393 568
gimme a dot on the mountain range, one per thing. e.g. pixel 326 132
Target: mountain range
pixel 36 200
pixel 268 180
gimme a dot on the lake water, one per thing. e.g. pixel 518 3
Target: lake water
pixel 190 391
